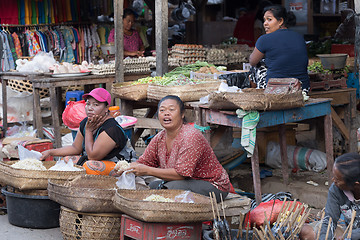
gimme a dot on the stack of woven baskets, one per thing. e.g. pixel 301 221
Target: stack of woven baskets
pixel 30 188
pixel 87 210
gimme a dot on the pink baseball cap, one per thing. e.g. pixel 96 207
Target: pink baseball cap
pixel 99 94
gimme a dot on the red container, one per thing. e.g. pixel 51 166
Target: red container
pixel 139 230
pixel 40 147
pixel 343 48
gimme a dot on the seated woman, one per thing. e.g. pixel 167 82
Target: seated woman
pixel 343 198
pixel 284 50
pixel 181 156
pixel 100 139
pixel 133 45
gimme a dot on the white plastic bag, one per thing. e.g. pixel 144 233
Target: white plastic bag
pixel 298 157
pixel 185 197
pixel 126 181
pixel 28 154
pixel 63 166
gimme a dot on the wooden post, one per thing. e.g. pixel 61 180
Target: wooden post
pixel 256 174
pixel 55 117
pixel 119 40
pixel 199 6
pixel 4 103
pixel 161 33
pixel 283 154
pixel 37 112
pixel 328 129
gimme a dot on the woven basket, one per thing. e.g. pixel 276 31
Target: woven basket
pixel 87 193
pixel 255 99
pixel 26 86
pixel 130 91
pixel 131 203
pixel 33 179
pixel 187 93
pixel 89 226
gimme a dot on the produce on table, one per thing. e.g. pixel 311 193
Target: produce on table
pixel 317 67
pixel 185 70
pixel 209 70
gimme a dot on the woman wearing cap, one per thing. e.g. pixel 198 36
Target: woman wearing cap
pixel 181 156
pixel 100 137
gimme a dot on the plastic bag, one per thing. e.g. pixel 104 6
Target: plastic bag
pixel 73 114
pixel 126 181
pixel 40 63
pixel 26 154
pixel 185 197
pixel 298 157
pixel 64 166
pixel 19 105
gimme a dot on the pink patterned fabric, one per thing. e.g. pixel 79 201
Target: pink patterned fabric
pixel 132 43
pixel 191 156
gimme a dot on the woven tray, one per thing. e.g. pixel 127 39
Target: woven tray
pixel 26 86
pixel 33 179
pixel 187 93
pixel 130 91
pixel 87 193
pixel 89 226
pixel 130 202
pixel 255 99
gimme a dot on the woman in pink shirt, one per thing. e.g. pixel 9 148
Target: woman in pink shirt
pixel 181 156
pixel 133 45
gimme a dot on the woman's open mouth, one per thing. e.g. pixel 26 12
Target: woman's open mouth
pixel 166 120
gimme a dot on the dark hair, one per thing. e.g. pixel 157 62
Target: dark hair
pixel 129 12
pixel 280 12
pixel 177 99
pixel 261 6
pixel 349 166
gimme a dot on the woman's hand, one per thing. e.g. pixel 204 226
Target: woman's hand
pixel 138 169
pixel 95 122
pixel 45 155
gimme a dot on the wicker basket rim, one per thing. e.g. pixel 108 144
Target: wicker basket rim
pixel 92 214
pixel 58 183
pixel 161 203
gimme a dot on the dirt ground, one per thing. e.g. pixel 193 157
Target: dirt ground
pixel 314 196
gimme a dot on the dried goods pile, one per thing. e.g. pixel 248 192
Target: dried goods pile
pixel 29 164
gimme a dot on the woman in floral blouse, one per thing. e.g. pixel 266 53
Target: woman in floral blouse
pixel 181 156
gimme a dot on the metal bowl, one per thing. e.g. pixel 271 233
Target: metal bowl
pixel 333 61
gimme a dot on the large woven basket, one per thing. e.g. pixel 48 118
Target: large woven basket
pixel 26 86
pixel 87 193
pixel 131 203
pixel 130 91
pixel 89 226
pixel 187 93
pixel 33 179
pixel 255 99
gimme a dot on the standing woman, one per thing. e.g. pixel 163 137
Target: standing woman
pixel 181 156
pixel 284 50
pixel 133 45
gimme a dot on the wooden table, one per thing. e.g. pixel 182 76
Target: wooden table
pixel 54 85
pixel 314 108
pixel 343 106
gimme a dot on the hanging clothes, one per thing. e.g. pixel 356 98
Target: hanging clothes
pixel 17 45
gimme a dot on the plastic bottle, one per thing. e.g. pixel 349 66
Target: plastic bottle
pixel 114 111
